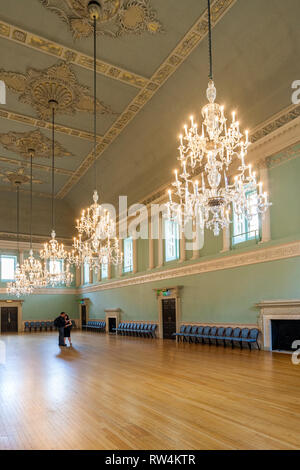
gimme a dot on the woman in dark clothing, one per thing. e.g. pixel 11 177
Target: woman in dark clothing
pixel 68 327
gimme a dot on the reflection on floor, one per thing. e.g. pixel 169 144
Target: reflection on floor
pixel 113 392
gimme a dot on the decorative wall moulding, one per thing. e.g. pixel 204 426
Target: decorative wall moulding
pixel 57 82
pixel 22 142
pixel 50 291
pixel 118 17
pixel 261 255
pixel 20 36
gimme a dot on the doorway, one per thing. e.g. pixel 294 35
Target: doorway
pixel 83 315
pixel 169 318
pixel 112 323
pixel 9 319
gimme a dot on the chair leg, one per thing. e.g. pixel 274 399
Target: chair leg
pixel 258 346
pixel 249 345
pixel 241 345
pixel 232 345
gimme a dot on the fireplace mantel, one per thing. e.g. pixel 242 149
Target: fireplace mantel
pixel 275 310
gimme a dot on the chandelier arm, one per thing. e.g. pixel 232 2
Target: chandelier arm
pixel 209 42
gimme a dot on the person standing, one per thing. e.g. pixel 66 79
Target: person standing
pixel 67 328
pixel 60 323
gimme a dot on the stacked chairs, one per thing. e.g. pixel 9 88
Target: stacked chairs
pixel 146 330
pixel 38 326
pixel 213 335
pixel 95 326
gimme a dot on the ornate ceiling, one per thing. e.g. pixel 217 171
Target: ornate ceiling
pixel 151 75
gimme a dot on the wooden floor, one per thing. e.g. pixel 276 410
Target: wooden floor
pixel 129 393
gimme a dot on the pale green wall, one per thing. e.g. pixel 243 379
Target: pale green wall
pixel 218 296
pixel 227 295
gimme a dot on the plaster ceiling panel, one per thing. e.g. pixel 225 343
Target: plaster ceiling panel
pixel 255 46
pixel 113 95
pixel 69 155
pixel 141 53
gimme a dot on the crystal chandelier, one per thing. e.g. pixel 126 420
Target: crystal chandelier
pixel 19 285
pixel 54 254
pixel 96 243
pixel 211 151
pixel 32 270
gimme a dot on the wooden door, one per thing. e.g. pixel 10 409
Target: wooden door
pixel 83 315
pixel 9 319
pixel 169 318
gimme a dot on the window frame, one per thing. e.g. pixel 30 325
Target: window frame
pixel 15 258
pixel 129 268
pixel 104 276
pixel 167 240
pixel 248 234
pixel 86 266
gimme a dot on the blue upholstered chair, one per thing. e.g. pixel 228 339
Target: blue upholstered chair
pixel 220 334
pixel 227 335
pixel 26 326
pixel 186 333
pixel 180 334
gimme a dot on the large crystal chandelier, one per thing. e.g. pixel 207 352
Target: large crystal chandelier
pixel 96 243
pixel 57 270
pixel 214 150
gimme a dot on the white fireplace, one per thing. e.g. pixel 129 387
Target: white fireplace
pixel 275 310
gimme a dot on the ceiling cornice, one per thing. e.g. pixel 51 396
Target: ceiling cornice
pixel 41 124
pixel 26 38
pixel 176 57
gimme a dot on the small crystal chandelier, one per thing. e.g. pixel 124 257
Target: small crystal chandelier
pixel 96 243
pixel 211 153
pixel 32 270
pixel 19 286
pixel 54 253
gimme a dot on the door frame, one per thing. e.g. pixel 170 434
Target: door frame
pixel 14 303
pixel 173 293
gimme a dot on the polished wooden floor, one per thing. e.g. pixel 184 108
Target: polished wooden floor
pixel 131 393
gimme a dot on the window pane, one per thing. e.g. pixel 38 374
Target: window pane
pixel 8 267
pixel 128 255
pixel 253 224
pixel 244 229
pixel 171 240
pixel 86 273
pixel 104 270
pixel 55 267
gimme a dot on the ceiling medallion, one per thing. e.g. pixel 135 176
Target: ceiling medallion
pixel 117 17
pixel 58 83
pixel 17 177
pixel 22 142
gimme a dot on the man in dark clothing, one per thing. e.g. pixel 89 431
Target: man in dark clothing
pixel 60 323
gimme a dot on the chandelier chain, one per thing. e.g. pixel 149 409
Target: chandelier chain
pixel 31 201
pixel 95 101
pixel 209 41
pixel 52 168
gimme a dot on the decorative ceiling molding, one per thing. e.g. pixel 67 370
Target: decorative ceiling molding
pixel 11 188
pixel 179 54
pixel 288 154
pixel 22 142
pixel 25 38
pixel 41 124
pixel 57 82
pixel 118 17
pixel 229 261
pixel 37 166
pixel 277 121
pixel 18 176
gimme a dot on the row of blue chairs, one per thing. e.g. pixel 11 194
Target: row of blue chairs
pixel 95 325
pixel 215 334
pixel 136 329
pixel 41 325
